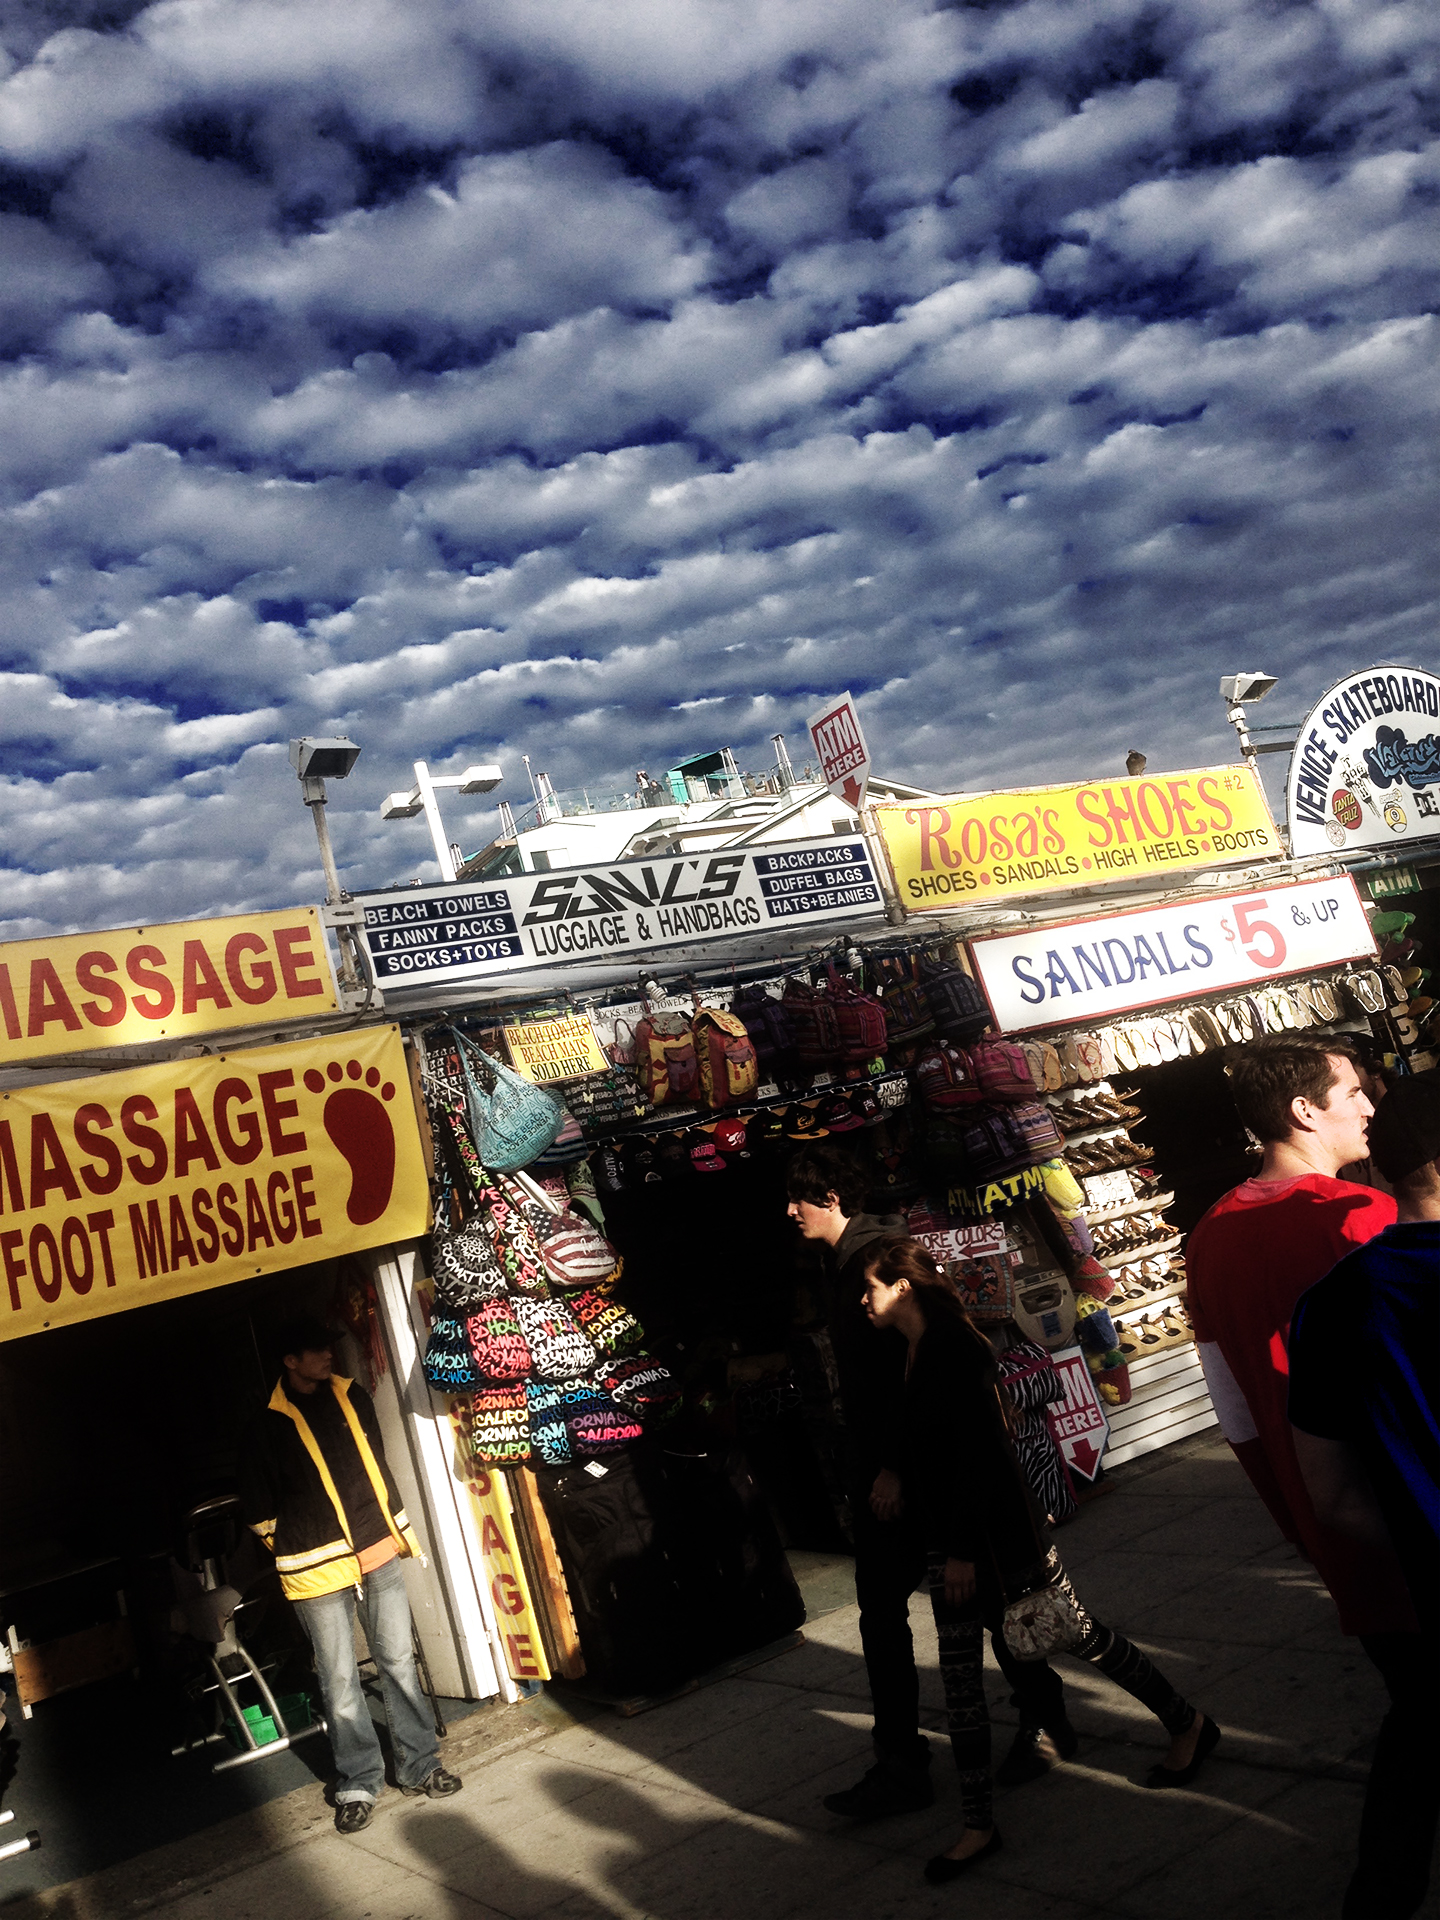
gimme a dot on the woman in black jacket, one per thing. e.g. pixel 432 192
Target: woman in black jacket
pixel 987 1541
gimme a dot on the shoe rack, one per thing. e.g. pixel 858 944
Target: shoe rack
pixel 1144 1252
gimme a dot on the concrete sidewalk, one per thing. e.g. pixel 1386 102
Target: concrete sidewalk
pixel 710 1806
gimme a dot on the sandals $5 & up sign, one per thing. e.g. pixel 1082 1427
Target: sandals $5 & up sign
pixel 132 1187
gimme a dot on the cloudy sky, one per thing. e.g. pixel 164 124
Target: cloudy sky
pixel 611 379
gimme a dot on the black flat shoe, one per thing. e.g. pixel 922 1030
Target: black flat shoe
pixel 1161 1776
pixel 942 1869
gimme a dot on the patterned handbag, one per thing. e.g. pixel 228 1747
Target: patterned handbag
pixel 558 1349
pixel 602 1426
pixel 575 1252
pixel 513 1237
pixel 501 1350
pixel 511 1120
pixel 641 1385
pixel 1049 1619
pixel 498 1419
pixel 448 1363
pixel 611 1328
pixel 467 1273
pixel 549 1403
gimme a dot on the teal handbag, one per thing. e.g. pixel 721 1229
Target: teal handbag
pixel 512 1122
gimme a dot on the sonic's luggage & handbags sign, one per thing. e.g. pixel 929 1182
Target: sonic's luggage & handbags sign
pixel 498 926
pixel 132 1187
pixel 974 847
pixel 87 990
pixel 1072 972
pixel 1365 771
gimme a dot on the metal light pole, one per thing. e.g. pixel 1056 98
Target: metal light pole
pixel 316 759
pixel 421 799
pixel 1235 690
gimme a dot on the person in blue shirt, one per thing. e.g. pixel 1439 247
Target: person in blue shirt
pixel 1364 1407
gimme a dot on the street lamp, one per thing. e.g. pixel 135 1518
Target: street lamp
pixel 1236 689
pixel 317 758
pixel 421 799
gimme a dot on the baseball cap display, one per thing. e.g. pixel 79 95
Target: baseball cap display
pixel 706 1158
pixel 838 1116
pixel 803 1122
pixel 730 1136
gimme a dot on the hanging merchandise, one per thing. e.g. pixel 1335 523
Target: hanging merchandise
pixel 448 1362
pixel 768 1025
pixel 957 1005
pixel 907 1010
pixel 812 1020
pixel 726 1056
pixel 558 1349
pixel 859 1020
pixel 467 1273
pixel 666 1063
pixel 511 1121
pixel 569 1144
pixel 502 1353
pixel 497 1425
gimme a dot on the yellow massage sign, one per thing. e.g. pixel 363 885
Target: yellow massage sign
pixel 973 847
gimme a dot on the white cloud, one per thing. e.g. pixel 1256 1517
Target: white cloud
pixel 533 377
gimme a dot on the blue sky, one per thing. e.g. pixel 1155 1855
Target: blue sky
pixel 611 381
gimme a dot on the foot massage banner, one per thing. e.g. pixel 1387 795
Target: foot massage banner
pixel 133 1187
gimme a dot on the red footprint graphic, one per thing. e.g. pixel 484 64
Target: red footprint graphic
pixel 360 1128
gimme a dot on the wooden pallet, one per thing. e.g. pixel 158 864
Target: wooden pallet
pixel 1168 1401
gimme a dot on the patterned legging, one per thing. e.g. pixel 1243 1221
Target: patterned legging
pixel 961 1632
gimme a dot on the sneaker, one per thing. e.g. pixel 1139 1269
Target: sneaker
pixel 1034 1752
pixel 353 1816
pixel 437 1785
pixel 888 1787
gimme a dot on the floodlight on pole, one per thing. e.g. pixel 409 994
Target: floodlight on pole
pixel 1236 689
pixel 421 799
pixel 317 758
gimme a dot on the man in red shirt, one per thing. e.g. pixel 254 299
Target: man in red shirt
pixel 1249 1260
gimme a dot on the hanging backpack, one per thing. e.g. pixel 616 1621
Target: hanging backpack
pixel 957 1006
pixel 665 1061
pixel 729 1072
pixel 1002 1070
pixel 860 1019
pixel 945 1079
pixel 907 1010
pixel 768 1026
pixel 812 1021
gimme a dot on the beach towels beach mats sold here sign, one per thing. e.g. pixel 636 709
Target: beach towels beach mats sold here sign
pixel 86 990
pixel 562 1049
pixel 974 847
pixel 1078 972
pixel 133 1187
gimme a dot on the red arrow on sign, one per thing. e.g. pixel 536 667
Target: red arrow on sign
pixel 1083 1455
pixel 851 791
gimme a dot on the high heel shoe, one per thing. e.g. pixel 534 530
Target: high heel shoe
pixel 1163 1776
pixel 943 1869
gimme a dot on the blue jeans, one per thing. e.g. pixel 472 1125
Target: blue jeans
pixel 385 1616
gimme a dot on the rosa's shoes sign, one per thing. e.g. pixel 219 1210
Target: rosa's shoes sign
pixel 970 848
pixel 839 743
pixel 170 1179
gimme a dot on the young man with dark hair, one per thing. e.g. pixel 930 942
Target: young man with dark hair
pixel 1365 1416
pixel 827 1190
pixel 315 1487
pixel 1249 1260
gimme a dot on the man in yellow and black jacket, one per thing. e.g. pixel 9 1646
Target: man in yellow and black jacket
pixel 315 1487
